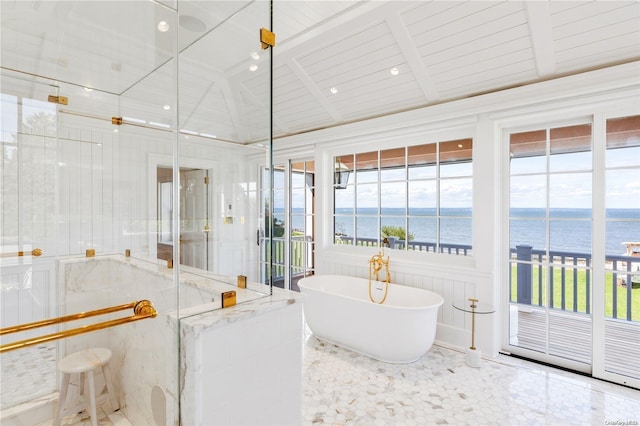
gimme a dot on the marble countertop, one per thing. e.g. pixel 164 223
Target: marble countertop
pixel 250 301
pixel 221 317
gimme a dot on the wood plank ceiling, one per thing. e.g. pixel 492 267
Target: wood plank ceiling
pixel 335 61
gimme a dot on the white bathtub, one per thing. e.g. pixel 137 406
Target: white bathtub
pixel 338 310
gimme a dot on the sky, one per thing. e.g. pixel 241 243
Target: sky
pixel 570 179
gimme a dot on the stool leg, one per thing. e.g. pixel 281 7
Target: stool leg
pixel 83 378
pixel 92 400
pixel 106 372
pixel 62 397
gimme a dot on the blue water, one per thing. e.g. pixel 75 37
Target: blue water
pixel 570 229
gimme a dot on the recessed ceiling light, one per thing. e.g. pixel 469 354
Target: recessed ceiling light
pixel 394 71
pixel 333 90
pixel 167 107
pixel 253 67
pixel 88 89
pixel 163 26
pixel 255 55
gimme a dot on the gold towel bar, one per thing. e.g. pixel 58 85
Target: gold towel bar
pixel 141 310
pixel 34 252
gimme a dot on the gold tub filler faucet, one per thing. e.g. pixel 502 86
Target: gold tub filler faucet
pixel 376 263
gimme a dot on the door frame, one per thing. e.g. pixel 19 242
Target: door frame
pixel 160 160
pixel 597 116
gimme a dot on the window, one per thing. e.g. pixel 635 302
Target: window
pixel 415 198
pixel 622 232
pixel 550 216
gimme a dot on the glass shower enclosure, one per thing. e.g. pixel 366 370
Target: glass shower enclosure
pixel 133 138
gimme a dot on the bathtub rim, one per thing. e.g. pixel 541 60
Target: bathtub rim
pixel 429 306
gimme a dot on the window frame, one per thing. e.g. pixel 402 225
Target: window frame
pixel 437 140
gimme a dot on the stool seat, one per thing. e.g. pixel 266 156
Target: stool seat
pixel 84 363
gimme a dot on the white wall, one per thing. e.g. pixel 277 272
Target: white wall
pixel 105 191
pixel 483 117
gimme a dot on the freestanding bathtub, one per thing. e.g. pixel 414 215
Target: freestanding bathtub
pixel 338 310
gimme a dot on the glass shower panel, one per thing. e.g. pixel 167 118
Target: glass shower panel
pixel 80 131
pixel 223 141
pixel 27 236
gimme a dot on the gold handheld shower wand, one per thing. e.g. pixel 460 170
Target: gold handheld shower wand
pixel 376 263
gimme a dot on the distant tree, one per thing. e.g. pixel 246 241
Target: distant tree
pixel 395 231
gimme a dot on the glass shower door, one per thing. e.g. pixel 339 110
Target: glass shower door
pixel 28 174
pixel 74 184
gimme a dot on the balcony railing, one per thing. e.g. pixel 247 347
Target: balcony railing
pixel 570 281
pixel 459 249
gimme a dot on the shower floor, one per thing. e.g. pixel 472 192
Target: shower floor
pixel 113 419
pixel 27 374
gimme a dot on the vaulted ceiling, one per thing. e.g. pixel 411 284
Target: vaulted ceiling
pixel 334 62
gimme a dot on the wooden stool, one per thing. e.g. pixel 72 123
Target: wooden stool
pixel 85 363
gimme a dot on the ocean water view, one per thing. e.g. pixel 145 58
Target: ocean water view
pixel 570 229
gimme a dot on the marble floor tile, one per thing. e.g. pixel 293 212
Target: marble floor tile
pixel 342 387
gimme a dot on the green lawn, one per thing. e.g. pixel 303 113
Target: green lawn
pixel 570 295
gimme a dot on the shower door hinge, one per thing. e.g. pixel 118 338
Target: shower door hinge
pixel 62 100
pixel 267 38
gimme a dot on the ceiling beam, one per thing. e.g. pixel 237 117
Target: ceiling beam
pixel 254 99
pixel 410 52
pixel 295 66
pixel 539 20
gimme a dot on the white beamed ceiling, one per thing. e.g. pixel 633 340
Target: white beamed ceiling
pixel 443 50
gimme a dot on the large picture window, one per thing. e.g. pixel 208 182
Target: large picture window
pixel 415 198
